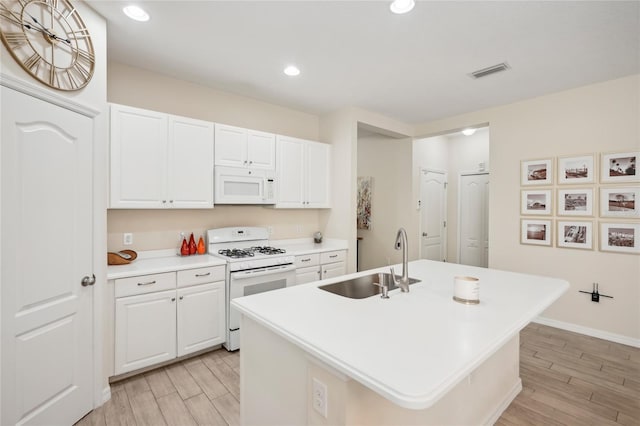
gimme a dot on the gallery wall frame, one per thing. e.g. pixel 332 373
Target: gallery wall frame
pixel 620 237
pixel 575 201
pixel 575 234
pixel 619 167
pixel 536 172
pixel 577 170
pixel 536 202
pixel 622 202
pixel 537 232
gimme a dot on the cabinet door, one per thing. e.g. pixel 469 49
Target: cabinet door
pixel 190 163
pixel 308 274
pixel 138 158
pixel 332 270
pixel 231 146
pixel 318 172
pixel 261 150
pixel 290 172
pixel 201 317
pixel 145 330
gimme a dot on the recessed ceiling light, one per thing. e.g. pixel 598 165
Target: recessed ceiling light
pixel 292 71
pixel 468 132
pixel 402 6
pixel 136 13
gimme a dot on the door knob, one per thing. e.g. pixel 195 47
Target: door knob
pixel 424 234
pixel 88 280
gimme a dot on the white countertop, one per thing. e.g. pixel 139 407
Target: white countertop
pixel 158 261
pixel 300 246
pixel 413 347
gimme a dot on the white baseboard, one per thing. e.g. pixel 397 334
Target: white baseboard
pixel 106 394
pixel 612 337
pixel 508 399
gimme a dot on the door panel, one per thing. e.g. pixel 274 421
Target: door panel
pixel 474 195
pixel 200 317
pixel 433 215
pixel 47 357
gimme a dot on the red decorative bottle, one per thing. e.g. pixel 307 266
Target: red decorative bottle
pixel 193 248
pixel 184 249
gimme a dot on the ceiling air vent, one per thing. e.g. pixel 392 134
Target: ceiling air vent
pixel 490 70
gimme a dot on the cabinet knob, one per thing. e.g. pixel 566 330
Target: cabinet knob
pixel 173 299
pixel 181 297
pixel 164 201
pixel 171 201
pixel 250 162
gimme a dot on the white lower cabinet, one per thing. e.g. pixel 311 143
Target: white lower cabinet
pixel 152 326
pixel 145 330
pixel 320 266
pixel 199 322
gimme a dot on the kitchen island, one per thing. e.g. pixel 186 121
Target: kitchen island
pixel 415 358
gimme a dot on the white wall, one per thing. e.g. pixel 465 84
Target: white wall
pixel 386 160
pixel 597 118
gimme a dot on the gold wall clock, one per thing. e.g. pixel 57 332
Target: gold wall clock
pixel 49 40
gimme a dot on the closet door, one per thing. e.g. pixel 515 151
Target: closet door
pixel 47 316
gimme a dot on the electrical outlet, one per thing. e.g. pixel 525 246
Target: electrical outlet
pixel 127 238
pixel 320 397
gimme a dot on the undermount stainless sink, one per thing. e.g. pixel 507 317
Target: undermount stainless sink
pixel 362 287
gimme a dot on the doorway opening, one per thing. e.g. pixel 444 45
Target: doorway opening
pixel 453 197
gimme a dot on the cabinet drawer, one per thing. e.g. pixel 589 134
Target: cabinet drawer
pixel 201 275
pixel 333 256
pixel 307 260
pixel 145 284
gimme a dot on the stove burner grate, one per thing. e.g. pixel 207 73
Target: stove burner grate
pixel 236 253
pixel 268 250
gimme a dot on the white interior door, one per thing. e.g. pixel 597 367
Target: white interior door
pixel 47 320
pixel 433 196
pixel 473 208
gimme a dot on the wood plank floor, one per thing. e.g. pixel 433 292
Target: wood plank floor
pixel 567 379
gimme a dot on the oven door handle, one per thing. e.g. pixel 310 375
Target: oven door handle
pixel 262 271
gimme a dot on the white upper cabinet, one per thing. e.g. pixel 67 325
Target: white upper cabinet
pixel 238 147
pixel 303 170
pixel 138 158
pixel 159 160
pixel 190 183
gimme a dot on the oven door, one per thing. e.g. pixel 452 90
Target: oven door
pixel 254 281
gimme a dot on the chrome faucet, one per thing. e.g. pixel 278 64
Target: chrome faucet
pixel 401 242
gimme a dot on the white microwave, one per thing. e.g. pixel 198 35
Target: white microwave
pixel 235 185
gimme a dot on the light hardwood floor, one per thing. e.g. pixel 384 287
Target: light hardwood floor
pixel 567 378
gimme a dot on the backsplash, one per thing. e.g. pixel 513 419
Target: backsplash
pixel 160 229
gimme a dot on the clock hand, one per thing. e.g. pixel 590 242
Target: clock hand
pixel 44 30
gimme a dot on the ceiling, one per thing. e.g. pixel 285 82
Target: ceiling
pixel 412 67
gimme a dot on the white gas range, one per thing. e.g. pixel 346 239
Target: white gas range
pixel 252 267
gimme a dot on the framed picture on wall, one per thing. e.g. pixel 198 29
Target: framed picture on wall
pixel 620 202
pixel 575 202
pixel 536 232
pixel 536 202
pixel 620 237
pixel 536 172
pixel 575 234
pixel 619 167
pixel 576 170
